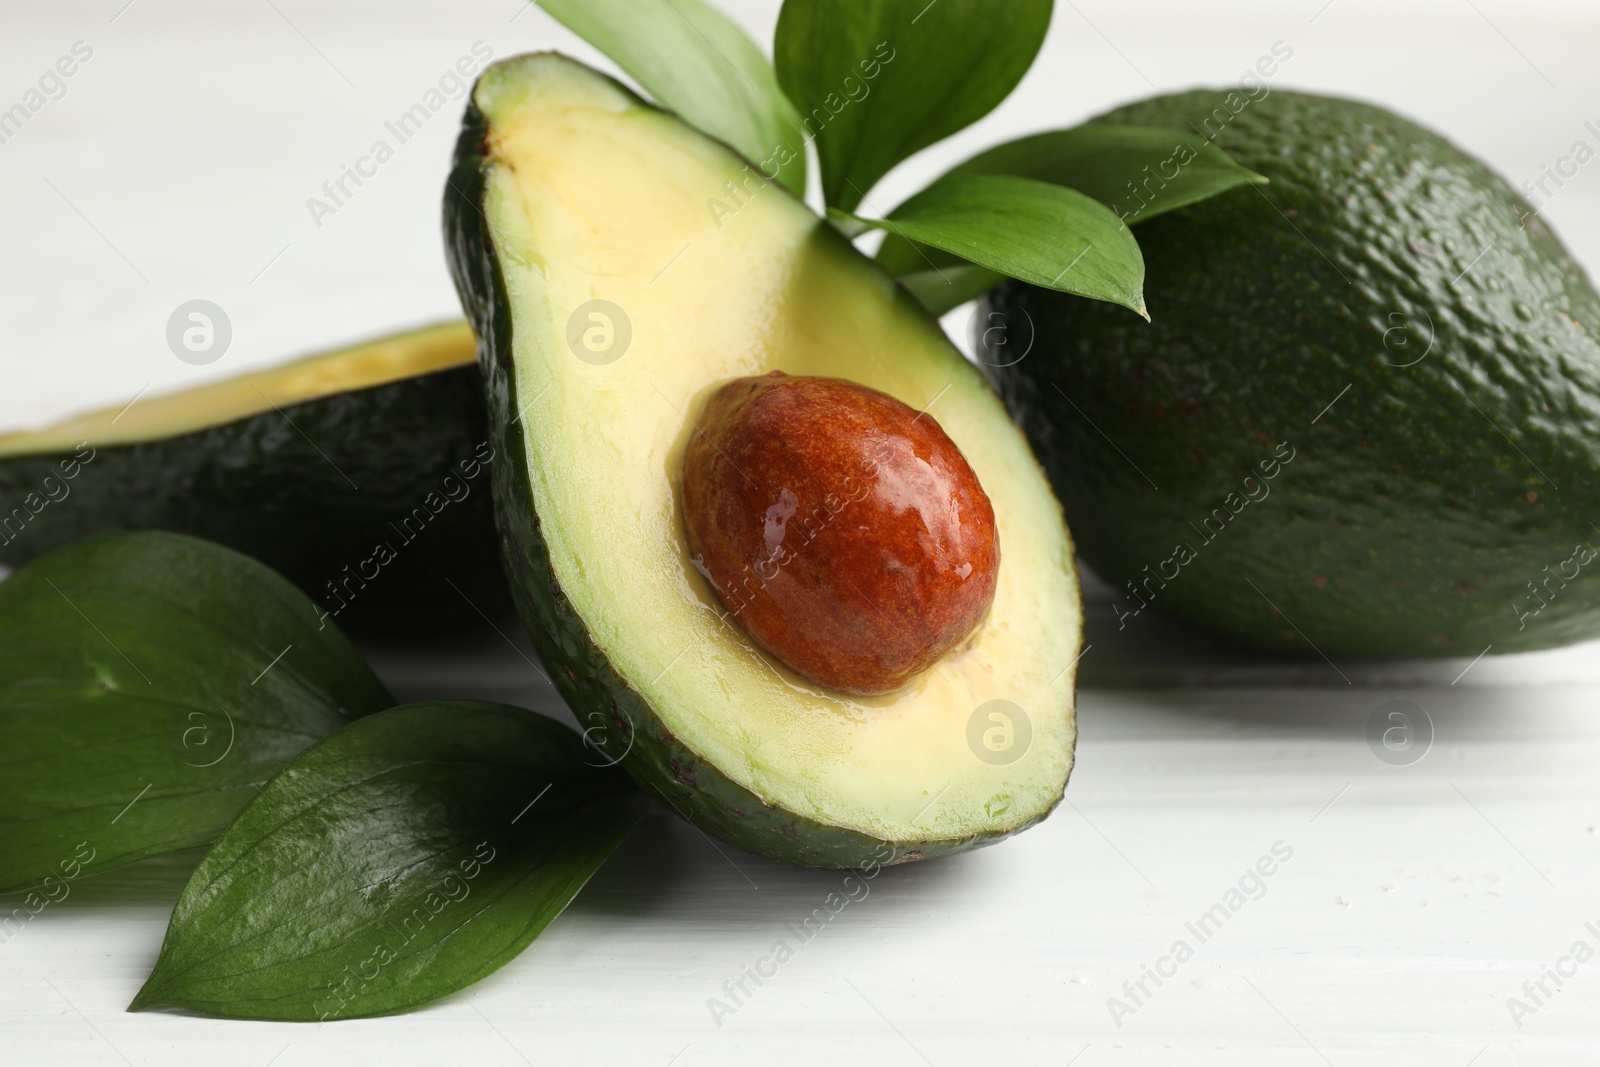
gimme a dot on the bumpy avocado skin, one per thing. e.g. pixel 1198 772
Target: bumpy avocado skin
pixel 1447 499
pixel 310 492
pixel 615 717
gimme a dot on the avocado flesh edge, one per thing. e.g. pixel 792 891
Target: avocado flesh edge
pixel 1443 506
pixel 333 457
pixel 713 727
pixel 411 354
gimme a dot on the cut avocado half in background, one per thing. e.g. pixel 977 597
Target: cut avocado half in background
pixel 612 302
pixel 1369 395
pixel 358 474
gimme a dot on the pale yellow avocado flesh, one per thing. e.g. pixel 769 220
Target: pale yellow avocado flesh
pixel 592 196
pixel 362 366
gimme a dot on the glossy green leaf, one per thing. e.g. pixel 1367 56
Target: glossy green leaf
pixel 402 859
pixel 1043 234
pixel 149 683
pixel 946 287
pixel 877 80
pixel 698 62
pixel 1136 171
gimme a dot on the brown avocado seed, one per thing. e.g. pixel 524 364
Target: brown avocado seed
pixel 843 530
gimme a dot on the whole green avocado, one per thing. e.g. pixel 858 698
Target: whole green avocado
pixel 1366 414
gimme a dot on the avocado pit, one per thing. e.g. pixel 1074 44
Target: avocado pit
pixel 844 531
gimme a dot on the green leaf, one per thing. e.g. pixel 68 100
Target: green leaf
pixel 1166 170
pixel 400 860
pixel 877 80
pixel 698 62
pixel 948 286
pixel 847 223
pixel 1044 234
pixel 1136 171
pixel 149 683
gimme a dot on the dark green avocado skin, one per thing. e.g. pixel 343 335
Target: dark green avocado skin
pixel 1388 313
pixel 615 718
pixel 312 492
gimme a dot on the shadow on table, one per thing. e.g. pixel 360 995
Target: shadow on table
pixel 669 868
pixel 1154 652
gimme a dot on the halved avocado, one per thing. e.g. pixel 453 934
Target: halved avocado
pixel 358 474
pixel 619 266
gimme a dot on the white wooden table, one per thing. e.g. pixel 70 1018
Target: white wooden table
pixel 1417 898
